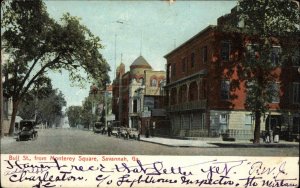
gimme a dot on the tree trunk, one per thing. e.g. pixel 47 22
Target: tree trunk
pixel 257 127
pixel 13 118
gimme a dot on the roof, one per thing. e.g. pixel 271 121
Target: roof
pixel 18 119
pixel 189 40
pixel 140 62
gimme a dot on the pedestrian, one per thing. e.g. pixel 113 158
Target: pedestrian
pixel 267 137
pixel 127 133
pixel 119 132
pixel 109 131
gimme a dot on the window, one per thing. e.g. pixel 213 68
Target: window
pixel 274 90
pixel 223 122
pixel 135 105
pixel 192 59
pixel 225 89
pixel 153 83
pixel 296 93
pixel 223 118
pixel 248 120
pixel 169 73
pixel 173 69
pixel 225 51
pixel 183 65
pixel 204 54
pixel 275 54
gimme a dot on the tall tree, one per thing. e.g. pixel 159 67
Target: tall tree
pixel 46 107
pixel 270 28
pixel 90 108
pixel 36 44
pixel 74 114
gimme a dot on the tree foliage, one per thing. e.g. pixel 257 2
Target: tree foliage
pixel 46 107
pixel 36 44
pixel 74 114
pixel 270 29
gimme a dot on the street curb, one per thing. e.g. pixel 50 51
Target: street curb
pixel 237 145
pixel 229 145
pixel 182 146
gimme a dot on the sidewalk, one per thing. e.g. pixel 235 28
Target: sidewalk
pixel 214 144
pixel 7 140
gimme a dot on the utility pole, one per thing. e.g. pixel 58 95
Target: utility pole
pixel 105 100
pixel 1 99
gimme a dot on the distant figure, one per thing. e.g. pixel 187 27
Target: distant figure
pixel 119 132
pixel 109 131
pixel 267 137
pixel 127 133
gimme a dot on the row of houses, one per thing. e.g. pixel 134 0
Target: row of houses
pixel 201 94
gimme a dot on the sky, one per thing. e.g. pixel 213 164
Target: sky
pixel 128 29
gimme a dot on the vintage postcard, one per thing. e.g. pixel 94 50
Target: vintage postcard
pixel 162 93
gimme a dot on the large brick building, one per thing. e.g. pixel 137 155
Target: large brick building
pixel 136 92
pixel 206 96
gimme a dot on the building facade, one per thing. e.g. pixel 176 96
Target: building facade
pixel 135 93
pixel 206 96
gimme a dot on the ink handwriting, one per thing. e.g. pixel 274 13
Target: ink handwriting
pixel 212 173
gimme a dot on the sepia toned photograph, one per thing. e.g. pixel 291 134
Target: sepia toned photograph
pixel 137 78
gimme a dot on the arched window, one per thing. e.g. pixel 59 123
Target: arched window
pixel 153 83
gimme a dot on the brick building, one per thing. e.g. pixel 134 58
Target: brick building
pixel 206 96
pixel 136 92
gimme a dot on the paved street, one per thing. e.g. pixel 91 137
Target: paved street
pixel 73 141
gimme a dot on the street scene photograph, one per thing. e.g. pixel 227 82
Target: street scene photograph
pixel 165 77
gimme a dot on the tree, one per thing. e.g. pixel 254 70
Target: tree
pixel 36 44
pixel 270 28
pixel 44 106
pixel 90 108
pixel 74 114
